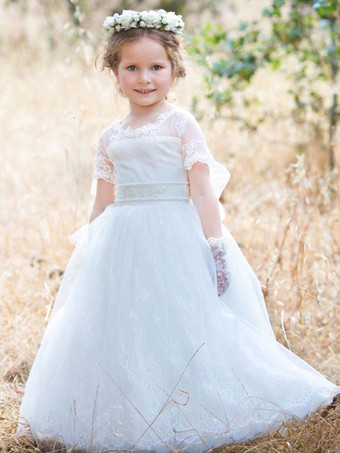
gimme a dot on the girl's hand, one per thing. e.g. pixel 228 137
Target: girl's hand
pixel 218 249
pixel 105 195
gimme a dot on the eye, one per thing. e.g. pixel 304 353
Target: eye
pixel 157 67
pixel 132 66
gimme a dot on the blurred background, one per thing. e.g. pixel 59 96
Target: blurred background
pixel 263 81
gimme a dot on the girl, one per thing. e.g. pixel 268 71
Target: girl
pixel 159 339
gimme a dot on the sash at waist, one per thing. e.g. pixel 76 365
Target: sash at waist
pixel 152 191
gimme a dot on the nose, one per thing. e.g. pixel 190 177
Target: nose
pixel 144 76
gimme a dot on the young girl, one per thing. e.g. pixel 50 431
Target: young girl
pixel 159 339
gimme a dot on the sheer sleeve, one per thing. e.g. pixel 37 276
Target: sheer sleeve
pixel 194 146
pixel 104 166
pixel 195 149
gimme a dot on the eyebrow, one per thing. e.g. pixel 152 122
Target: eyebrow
pixel 153 62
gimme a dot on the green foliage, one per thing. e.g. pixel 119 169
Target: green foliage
pixel 227 55
pixel 307 32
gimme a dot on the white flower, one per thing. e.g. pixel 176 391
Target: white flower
pixel 129 12
pixel 109 22
pixel 172 20
pixel 160 19
pixel 127 18
pixel 143 16
pixel 151 18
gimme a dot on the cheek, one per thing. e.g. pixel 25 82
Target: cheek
pixel 165 77
pixel 128 78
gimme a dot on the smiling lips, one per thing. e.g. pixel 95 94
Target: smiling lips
pixel 144 91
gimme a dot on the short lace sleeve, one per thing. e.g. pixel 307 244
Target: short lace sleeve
pixel 194 146
pixel 195 149
pixel 104 166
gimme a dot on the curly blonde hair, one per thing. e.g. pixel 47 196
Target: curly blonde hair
pixel 173 44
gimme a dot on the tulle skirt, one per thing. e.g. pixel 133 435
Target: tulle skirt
pixel 140 353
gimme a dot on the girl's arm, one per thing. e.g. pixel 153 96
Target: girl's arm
pixel 104 197
pixel 197 161
pixel 104 174
pixel 205 200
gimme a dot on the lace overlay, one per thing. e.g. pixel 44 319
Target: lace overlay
pixel 148 130
pixel 219 250
pixel 194 151
pixel 104 166
pixel 177 123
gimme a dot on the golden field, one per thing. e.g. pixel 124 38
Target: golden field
pixel 281 206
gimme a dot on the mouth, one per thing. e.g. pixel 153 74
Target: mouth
pixel 145 91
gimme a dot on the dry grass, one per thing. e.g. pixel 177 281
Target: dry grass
pixel 282 208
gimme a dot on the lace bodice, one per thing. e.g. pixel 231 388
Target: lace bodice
pixel 158 152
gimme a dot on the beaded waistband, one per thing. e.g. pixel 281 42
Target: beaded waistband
pixel 152 191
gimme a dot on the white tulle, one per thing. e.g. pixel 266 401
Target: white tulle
pixel 140 353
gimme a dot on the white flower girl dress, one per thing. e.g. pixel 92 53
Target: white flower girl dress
pixel 140 353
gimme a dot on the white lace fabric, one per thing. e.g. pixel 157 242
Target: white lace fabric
pixel 177 123
pixel 104 166
pixel 153 191
pixel 219 251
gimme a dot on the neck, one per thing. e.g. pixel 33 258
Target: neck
pixel 139 111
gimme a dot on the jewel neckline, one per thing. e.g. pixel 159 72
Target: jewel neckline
pixel 162 116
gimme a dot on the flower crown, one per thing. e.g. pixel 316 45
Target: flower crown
pixel 160 19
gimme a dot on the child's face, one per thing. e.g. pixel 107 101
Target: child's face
pixel 144 72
